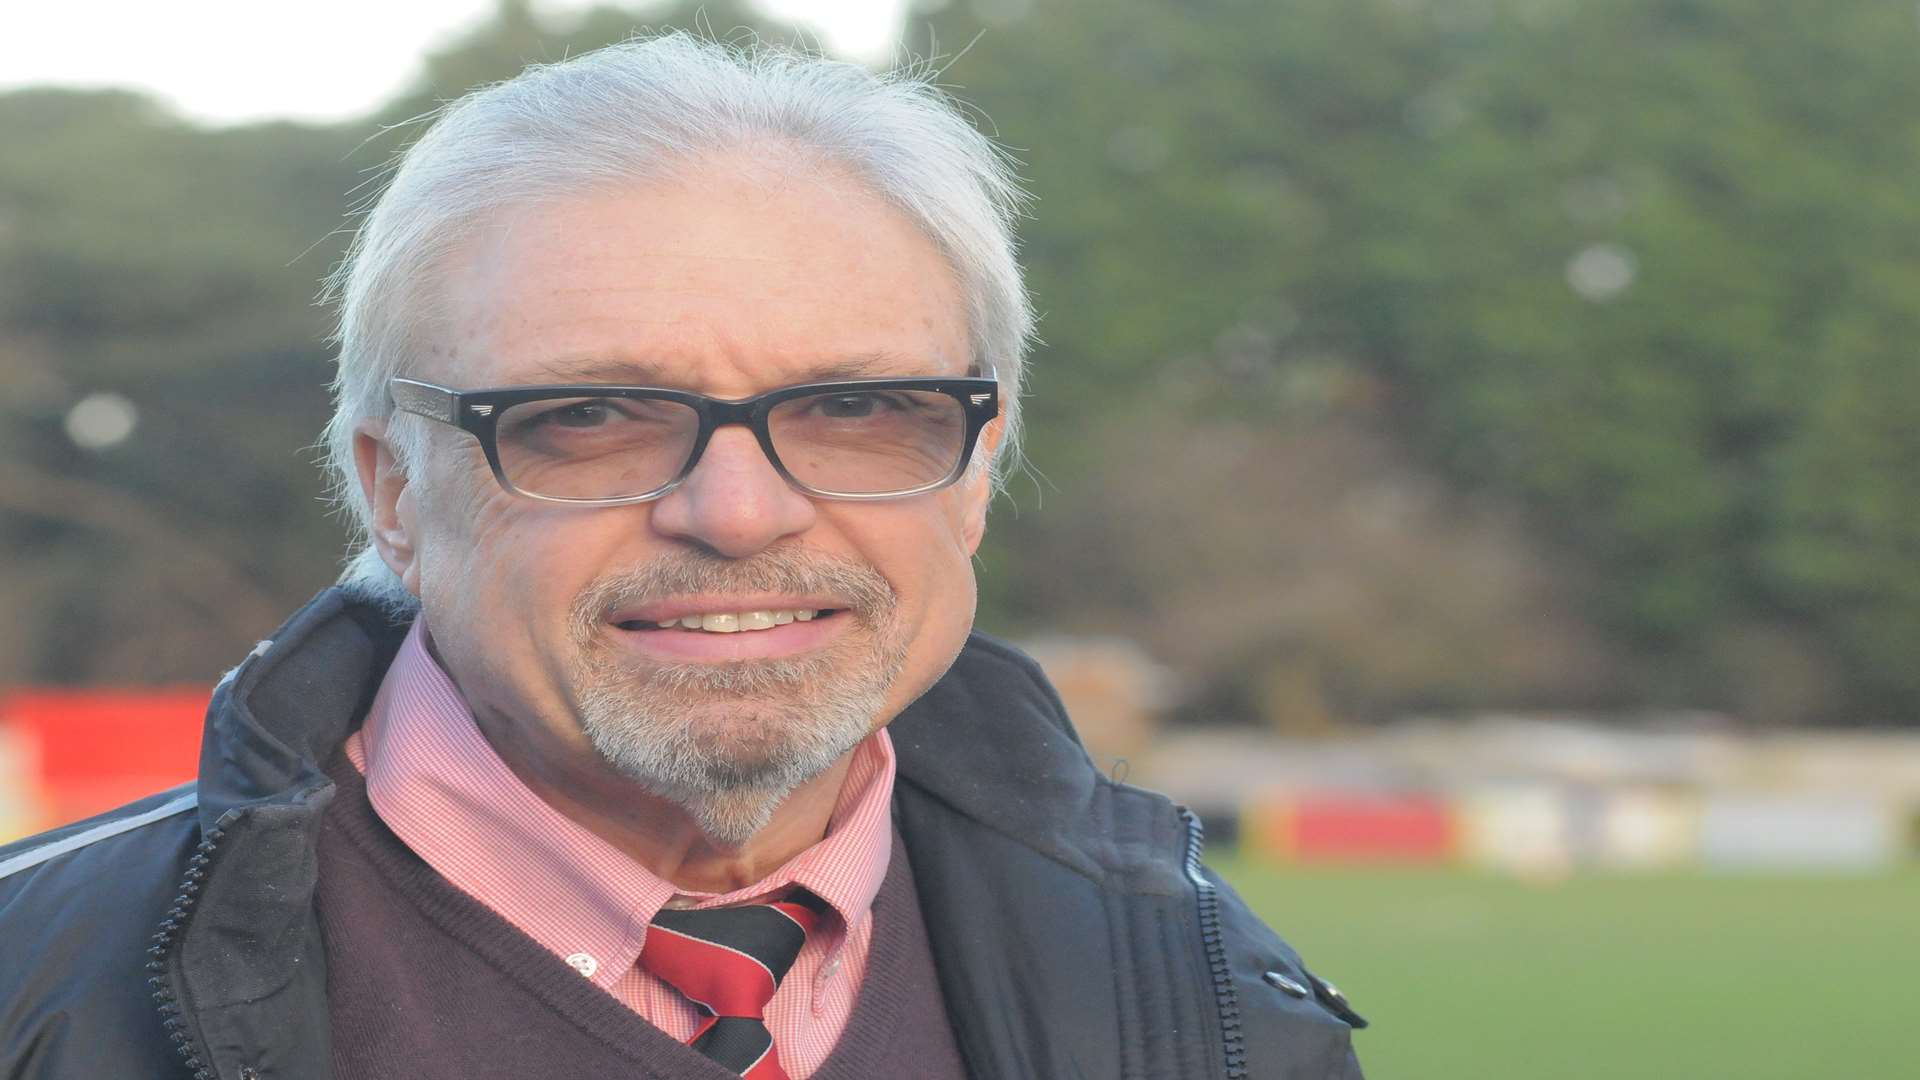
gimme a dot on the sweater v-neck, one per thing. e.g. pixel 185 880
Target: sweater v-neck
pixel 368 876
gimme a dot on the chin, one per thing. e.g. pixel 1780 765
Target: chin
pixel 691 748
pixel 746 742
pixel 730 766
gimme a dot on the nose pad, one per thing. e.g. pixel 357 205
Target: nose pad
pixel 734 502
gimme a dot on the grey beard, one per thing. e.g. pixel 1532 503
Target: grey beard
pixel 729 742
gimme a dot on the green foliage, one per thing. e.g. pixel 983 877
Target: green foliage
pixel 1645 268
pixel 175 267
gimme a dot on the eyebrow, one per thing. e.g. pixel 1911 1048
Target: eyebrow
pixel 646 373
pixel 595 369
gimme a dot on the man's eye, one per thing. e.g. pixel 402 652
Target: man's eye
pixel 860 406
pixel 580 414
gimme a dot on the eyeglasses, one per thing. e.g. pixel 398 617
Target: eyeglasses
pixel 604 445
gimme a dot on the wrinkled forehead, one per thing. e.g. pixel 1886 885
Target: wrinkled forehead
pixel 728 279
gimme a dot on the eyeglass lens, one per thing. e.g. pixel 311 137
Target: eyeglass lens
pixel 848 442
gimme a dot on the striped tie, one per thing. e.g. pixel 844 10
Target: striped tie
pixel 729 961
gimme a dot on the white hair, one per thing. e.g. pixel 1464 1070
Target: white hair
pixel 631 113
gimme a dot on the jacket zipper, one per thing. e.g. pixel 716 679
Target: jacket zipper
pixel 1225 997
pixel 163 943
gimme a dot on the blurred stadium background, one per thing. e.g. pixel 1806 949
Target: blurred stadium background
pixel 1473 463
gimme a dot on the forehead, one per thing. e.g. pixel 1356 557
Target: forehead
pixel 733 277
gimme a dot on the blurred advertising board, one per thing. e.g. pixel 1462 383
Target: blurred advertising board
pixel 1351 828
pixel 75 753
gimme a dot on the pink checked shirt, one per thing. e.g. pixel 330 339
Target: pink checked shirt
pixel 437 783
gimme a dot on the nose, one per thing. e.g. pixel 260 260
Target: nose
pixel 734 503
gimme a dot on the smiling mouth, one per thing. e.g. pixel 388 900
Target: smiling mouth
pixel 731 622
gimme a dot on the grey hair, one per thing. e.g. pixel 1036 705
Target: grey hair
pixel 631 113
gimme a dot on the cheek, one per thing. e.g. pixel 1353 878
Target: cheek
pixel 924 552
pixel 455 520
pixel 934 578
pixel 953 608
pixel 485 557
pixel 523 565
pixel 498 593
pixel 512 558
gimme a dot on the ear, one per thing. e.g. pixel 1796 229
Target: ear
pixel 394 530
pixel 978 487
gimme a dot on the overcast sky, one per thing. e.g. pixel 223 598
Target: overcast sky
pixel 235 60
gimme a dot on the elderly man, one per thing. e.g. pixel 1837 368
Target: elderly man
pixel 647 736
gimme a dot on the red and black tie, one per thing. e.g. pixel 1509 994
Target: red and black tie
pixel 729 961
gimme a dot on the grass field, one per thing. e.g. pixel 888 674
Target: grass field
pixel 1470 975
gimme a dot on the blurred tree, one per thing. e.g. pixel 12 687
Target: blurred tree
pixel 157 344
pixel 1643 268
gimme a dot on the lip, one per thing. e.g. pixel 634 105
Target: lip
pixel 661 611
pixel 700 646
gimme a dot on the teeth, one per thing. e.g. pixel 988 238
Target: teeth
pixel 733 622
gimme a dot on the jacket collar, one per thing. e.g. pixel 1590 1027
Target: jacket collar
pixel 282 714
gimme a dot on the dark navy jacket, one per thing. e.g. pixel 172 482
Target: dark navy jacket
pixel 1075 932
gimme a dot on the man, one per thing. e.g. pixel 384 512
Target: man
pixel 646 735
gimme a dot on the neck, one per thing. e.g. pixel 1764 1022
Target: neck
pixel 663 836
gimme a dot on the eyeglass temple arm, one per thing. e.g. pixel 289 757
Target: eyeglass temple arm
pixel 424 399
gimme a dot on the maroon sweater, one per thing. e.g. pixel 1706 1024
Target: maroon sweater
pixel 425 982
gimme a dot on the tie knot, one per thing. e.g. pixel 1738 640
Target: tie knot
pixel 729 960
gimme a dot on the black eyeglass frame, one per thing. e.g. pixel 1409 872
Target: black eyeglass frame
pixel 477 412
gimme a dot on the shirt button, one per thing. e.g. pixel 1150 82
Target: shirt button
pixel 584 963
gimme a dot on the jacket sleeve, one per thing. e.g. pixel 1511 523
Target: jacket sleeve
pixel 1294 1023
pixel 78 908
